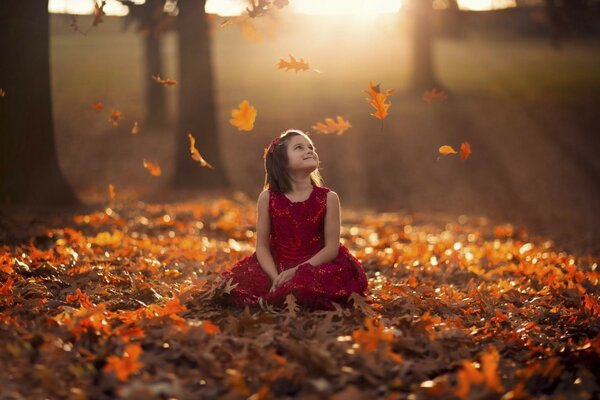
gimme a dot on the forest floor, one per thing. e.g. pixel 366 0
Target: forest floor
pixel 122 301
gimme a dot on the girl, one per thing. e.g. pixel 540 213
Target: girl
pixel 298 247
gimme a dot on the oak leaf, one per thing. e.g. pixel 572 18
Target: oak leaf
pixel 298 65
pixel 338 126
pixel 126 365
pixel 98 12
pixel 153 168
pixel 434 95
pixel 243 118
pixel 164 82
pixel 378 101
pixel 195 153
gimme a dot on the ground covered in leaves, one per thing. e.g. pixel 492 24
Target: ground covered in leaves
pixel 122 302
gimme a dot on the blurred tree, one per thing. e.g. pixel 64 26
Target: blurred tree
pixel 29 169
pixel 151 21
pixel 572 17
pixel 563 18
pixel 197 110
pixel 422 71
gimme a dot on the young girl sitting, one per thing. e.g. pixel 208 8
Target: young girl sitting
pixel 298 247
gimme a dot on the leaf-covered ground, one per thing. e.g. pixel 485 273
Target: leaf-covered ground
pixel 122 302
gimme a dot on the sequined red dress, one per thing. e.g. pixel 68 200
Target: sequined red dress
pixel 297 233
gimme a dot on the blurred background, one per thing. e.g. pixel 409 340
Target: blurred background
pixel 522 80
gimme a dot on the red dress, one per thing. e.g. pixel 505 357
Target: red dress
pixel 298 233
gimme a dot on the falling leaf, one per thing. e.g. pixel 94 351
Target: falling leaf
pixel 153 168
pixel 115 117
pixel 74 24
pixel 111 191
pixel 465 150
pixel 330 126
pixel 164 82
pixel 445 150
pixel 195 154
pixel 135 129
pixel 280 3
pixel 98 12
pixel 126 365
pixel 97 106
pixel 244 117
pixel 378 101
pixel 433 95
pixel 298 65
pixel 2 92
pixel 258 9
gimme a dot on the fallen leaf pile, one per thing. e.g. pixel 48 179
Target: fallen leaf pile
pixel 125 302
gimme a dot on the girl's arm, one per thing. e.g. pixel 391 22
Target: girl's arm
pixel 332 232
pixel 263 231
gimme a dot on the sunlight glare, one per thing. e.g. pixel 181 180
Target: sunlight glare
pixel 484 5
pixel 86 7
pixel 226 8
pixel 345 7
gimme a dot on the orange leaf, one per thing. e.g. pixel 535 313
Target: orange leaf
pixel 195 154
pixel 244 117
pixel 465 150
pixel 210 328
pixel 136 128
pixel 81 297
pixel 126 365
pixel 7 287
pixel 298 65
pixel 378 100
pixel 164 82
pixel 489 367
pixel 369 338
pixel 98 12
pixel 153 168
pixel 111 191
pixel 97 106
pixel 115 117
pixel 433 95
pixel 445 150
pixel 2 92
pixel 331 126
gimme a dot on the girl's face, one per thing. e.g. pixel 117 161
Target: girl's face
pixel 302 155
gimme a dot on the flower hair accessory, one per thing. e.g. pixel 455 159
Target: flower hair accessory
pixel 275 142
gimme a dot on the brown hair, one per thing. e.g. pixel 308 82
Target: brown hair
pixel 276 161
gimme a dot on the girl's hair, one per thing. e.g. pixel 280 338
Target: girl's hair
pixel 276 161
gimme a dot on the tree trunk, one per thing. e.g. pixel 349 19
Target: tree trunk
pixel 197 110
pixel 29 170
pixel 422 73
pixel 155 95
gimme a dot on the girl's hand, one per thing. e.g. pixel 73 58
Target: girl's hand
pixel 283 277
